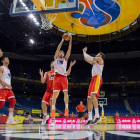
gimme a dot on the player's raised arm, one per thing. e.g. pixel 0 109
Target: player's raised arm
pixel 71 65
pixel 58 49
pixel 87 57
pixel 43 79
pixel 1 53
pixel 69 50
pixel 99 60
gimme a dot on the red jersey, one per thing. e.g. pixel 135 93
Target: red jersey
pixel 81 108
pixel 86 115
pixel 49 78
pixel 72 115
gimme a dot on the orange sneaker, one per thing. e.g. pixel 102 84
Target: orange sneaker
pixel 66 112
pixel 53 114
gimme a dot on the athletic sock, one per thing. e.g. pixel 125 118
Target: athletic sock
pixel 45 114
pixel 10 115
pixel 90 116
pixel 53 107
pixel 97 113
pixel 66 106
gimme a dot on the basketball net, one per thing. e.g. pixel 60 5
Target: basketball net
pixel 47 20
pixel 101 104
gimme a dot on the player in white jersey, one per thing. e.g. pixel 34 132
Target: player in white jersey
pixel 60 81
pixel 97 63
pixel 6 94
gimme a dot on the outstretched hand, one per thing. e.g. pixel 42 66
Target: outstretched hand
pixel 41 72
pixel 85 49
pixel 72 63
pixel 1 53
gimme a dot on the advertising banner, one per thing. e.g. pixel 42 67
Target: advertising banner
pixel 19 119
pixel 128 121
pixel 20 111
pixel 127 127
pixel 36 111
pixel 66 121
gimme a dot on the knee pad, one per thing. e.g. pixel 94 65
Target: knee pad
pixel 2 104
pixel 12 102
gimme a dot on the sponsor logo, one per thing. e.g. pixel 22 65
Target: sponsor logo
pixel 133 121
pixel 65 121
pixel 128 121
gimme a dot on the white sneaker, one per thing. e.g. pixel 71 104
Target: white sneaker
pixel 45 118
pixel 11 121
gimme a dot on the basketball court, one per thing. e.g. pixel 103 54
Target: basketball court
pixel 66 132
pixel 84 20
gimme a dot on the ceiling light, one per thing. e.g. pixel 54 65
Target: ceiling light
pixel 34 18
pixel 31 16
pixel 37 23
pixel 32 41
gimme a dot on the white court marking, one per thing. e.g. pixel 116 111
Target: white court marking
pixel 49 134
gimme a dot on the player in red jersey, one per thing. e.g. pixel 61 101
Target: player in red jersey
pixel 47 99
pixel 6 94
pixel 60 78
pixel 72 117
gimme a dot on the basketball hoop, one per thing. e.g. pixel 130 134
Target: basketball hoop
pixel 101 104
pixel 47 20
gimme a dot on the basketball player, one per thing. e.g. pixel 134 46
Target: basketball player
pixel 47 99
pixel 60 79
pixel 72 116
pixel 97 63
pixel 86 117
pixel 6 94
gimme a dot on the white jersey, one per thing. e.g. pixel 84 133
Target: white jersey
pixel 6 77
pixel 60 65
pixel 97 69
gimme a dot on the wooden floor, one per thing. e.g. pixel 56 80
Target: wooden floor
pixel 65 132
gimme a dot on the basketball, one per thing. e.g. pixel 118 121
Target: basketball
pixel 66 36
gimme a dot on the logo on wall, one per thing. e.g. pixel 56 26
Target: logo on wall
pixel 96 13
pixel 98 17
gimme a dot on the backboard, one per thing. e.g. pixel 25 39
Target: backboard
pixel 24 7
pixel 102 101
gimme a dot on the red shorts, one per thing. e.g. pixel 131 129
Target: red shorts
pixel 6 94
pixel 60 82
pixel 95 85
pixel 47 96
